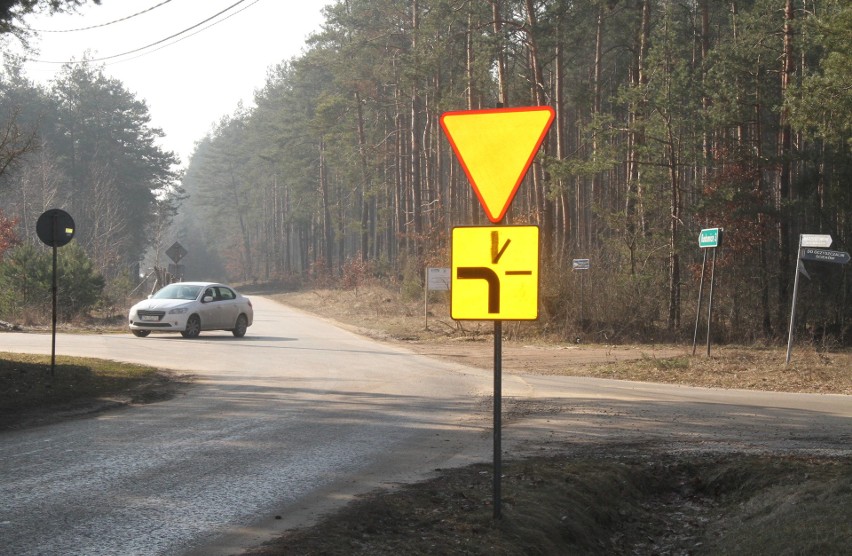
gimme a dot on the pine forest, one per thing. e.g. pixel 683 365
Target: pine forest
pixel 671 116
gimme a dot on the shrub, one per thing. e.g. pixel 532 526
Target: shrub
pixel 26 276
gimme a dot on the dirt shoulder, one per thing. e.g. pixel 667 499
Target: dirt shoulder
pixel 380 314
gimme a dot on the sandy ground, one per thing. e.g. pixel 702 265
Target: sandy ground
pixel 536 359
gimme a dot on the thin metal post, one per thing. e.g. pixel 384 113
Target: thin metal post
pixel 710 301
pixel 795 296
pixel 426 297
pixel 53 290
pixel 698 307
pixel 498 411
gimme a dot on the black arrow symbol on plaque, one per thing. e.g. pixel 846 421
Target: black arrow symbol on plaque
pixel 483 273
pixel 496 250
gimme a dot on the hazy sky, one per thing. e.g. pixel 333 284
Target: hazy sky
pixel 190 81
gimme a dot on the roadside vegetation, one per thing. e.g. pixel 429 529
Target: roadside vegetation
pixel 616 502
pixel 31 393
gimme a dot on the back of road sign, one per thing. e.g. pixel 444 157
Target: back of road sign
pixel 496 148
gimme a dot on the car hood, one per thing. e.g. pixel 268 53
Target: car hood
pixel 160 304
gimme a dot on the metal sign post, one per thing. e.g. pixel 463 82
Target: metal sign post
pixel 490 280
pixel 437 279
pixel 698 306
pixel 793 308
pixel 709 238
pixel 581 264
pixel 55 228
pixel 498 417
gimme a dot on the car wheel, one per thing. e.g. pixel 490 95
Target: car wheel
pixel 242 325
pixel 193 327
pixel 140 333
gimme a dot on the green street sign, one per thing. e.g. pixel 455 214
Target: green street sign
pixel 710 237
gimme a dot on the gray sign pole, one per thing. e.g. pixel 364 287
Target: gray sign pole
pixel 710 301
pixel 793 308
pixel 54 288
pixel 698 307
pixel 55 228
pixel 426 298
pixel 498 416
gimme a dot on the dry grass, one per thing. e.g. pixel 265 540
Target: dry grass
pixel 739 367
pixel 600 504
pixel 31 394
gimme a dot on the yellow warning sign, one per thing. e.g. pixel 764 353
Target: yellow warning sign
pixel 494 274
pixel 496 148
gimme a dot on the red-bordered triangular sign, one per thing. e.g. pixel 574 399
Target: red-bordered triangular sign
pixel 495 148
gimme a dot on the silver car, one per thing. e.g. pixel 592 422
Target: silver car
pixel 189 308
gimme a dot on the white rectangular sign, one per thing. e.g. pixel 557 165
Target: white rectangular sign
pixel 438 279
pixel 815 240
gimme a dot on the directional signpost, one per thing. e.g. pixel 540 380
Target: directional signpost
pixel 824 255
pixel 495 268
pixel 812 247
pixel 814 240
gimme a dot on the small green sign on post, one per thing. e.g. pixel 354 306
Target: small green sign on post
pixel 709 237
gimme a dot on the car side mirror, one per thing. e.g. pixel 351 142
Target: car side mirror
pixel 207 299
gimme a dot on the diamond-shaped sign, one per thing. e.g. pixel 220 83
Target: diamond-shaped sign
pixel 176 252
pixel 496 148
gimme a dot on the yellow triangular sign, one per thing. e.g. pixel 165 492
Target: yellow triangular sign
pixel 495 148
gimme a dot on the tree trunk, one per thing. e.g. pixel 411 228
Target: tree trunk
pixel 785 193
pixel 547 205
pixel 416 144
pixel 327 229
pixel 364 196
pixel 502 82
pixel 596 109
pixel 633 209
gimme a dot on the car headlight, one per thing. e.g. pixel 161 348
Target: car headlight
pixel 178 311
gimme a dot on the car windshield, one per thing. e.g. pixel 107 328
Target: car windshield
pixel 178 291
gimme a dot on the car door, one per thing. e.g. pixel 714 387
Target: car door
pixel 210 311
pixel 229 307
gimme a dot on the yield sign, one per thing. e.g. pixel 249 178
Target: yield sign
pixel 495 148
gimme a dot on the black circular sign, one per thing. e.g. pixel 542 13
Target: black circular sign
pixel 55 227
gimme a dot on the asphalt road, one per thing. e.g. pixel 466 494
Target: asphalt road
pixel 288 421
pixel 298 416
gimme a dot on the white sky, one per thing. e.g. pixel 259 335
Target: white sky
pixel 190 84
